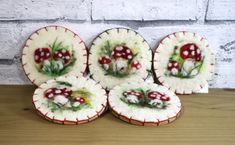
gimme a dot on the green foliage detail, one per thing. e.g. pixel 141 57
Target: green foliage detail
pixel 53 67
pixel 80 92
pixel 144 101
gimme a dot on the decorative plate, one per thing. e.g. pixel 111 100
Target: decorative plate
pixel 53 51
pixel 184 62
pixel 144 103
pixel 119 55
pixel 70 100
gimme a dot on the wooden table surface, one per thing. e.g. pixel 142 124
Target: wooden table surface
pixel 207 119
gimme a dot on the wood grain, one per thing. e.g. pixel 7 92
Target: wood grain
pixel 207 119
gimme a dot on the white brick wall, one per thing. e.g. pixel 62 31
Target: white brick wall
pixel 44 10
pixel 221 10
pixel 145 10
pixel 153 19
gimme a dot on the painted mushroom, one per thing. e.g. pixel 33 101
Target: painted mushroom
pixel 154 95
pixel 165 98
pixel 173 67
pixel 41 54
pixel 190 50
pixel 157 99
pixel 105 61
pixel 59 96
pixel 157 95
pixel 191 54
pixel 122 52
pixel 49 93
pixel 135 65
pixel 63 55
pixel 78 101
pixel 122 55
pixel 133 96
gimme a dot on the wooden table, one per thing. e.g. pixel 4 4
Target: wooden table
pixel 207 119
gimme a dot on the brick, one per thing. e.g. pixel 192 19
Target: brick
pixel 13 36
pixel 40 9
pixel 145 9
pixel 12 74
pixel 221 10
pixel 9 40
pixel 86 31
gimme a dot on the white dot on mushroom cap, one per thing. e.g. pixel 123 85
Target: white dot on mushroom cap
pixel 67 57
pixel 152 95
pixel 193 53
pixel 66 94
pixel 185 53
pixel 128 51
pixel 129 56
pixel 36 57
pixel 169 64
pixel 63 51
pixel 41 59
pixel 48 54
pixel 118 54
pixel 138 66
pixel 58 91
pixel 107 57
pixel 50 95
pixel 119 48
pixel 42 53
pixel 40 49
pixel 175 64
pixel 113 53
pixel 192 47
pixel 60 55
pixel 198 51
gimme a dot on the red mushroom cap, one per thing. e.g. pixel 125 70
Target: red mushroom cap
pixel 80 100
pixel 50 93
pixel 66 92
pixel 41 54
pixel 154 95
pixel 133 92
pixel 104 60
pixel 62 54
pixel 165 98
pixel 190 50
pixel 122 52
pixel 136 64
pixel 173 64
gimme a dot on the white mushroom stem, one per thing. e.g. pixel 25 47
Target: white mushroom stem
pixel 132 99
pixel 60 99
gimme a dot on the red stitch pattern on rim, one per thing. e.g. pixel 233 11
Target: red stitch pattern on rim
pixel 27 60
pixel 195 81
pixel 39 99
pixel 115 103
pixel 124 57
